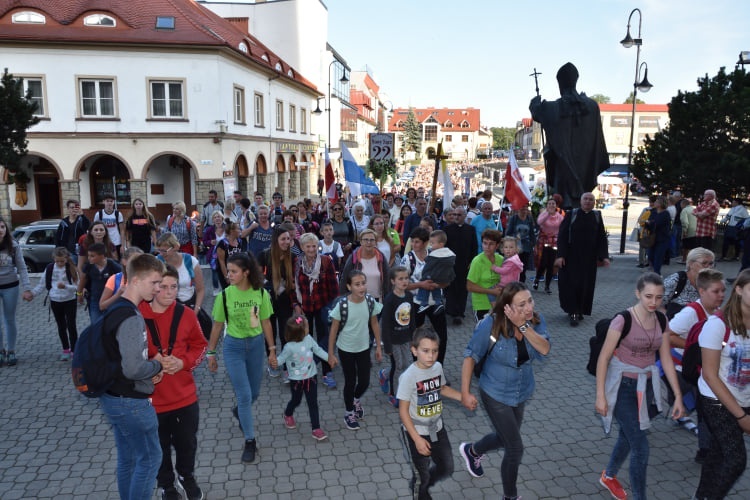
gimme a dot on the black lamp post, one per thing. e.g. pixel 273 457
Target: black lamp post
pixel 643 86
pixel 318 111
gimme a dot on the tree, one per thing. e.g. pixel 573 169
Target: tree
pixel 381 169
pixel 705 145
pixel 412 136
pixel 502 137
pixel 601 98
pixel 16 116
pixel 629 100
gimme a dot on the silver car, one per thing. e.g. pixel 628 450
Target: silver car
pixel 37 240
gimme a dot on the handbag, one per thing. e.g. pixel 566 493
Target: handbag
pixel 478 367
pixel 648 239
pixel 205 321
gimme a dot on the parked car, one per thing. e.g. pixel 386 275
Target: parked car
pixel 37 240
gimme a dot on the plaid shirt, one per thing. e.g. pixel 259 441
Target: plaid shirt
pixel 324 291
pixel 707 224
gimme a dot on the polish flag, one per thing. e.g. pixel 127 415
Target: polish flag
pixel 330 182
pixel 516 190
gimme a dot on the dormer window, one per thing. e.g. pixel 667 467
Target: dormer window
pixel 278 67
pixel 28 17
pixel 100 20
pixel 243 47
pixel 290 73
pixel 165 22
pixel 265 57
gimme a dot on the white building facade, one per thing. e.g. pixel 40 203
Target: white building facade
pixel 158 113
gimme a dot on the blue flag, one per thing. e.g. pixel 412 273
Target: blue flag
pixel 355 176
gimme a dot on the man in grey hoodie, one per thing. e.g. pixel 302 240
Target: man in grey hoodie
pixel 126 403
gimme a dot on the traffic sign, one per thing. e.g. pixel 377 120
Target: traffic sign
pixel 381 146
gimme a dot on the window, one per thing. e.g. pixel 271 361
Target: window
pixel 303 120
pixel 464 138
pixel 448 138
pixel 464 124
pixel 99 20
pixel 430 133
pixel 292 118
pixel 243 47
pixel 259 110
pixel 28 17
pixel 34 86
pixel 97 98
pixel 165 22
pixel 279 115
pixel 42 237
pixel 448 124
pixel 166 99
pixel 239 105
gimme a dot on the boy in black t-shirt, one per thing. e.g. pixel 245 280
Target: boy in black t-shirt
pixel 95 275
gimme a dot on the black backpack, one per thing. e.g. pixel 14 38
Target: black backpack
pixel 92 369
pixel 602 327
pixel 344 308
pixel 154 331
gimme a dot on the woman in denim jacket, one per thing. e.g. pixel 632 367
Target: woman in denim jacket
pixel 514 336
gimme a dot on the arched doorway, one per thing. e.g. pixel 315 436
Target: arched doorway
pixel 108 176
pixel 169 178
pixel 244 179
pixel 293 178
pixel 47 182
pixel 281 176
pixel 37 198
pixel 261 175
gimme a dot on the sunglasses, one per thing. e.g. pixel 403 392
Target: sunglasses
pixel 337 209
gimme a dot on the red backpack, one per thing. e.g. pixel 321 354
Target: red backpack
pixel 691 358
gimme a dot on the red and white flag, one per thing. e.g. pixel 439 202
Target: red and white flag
pixel 330 182
pixel 516 190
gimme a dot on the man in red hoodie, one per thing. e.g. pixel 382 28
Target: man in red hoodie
pixel 175 398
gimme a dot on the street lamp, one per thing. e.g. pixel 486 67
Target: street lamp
pixel 327 109
pixel 643 86
pixel 743 59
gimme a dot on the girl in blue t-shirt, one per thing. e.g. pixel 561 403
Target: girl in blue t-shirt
pixel 353 316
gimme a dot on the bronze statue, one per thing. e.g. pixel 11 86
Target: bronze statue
pixel 575 152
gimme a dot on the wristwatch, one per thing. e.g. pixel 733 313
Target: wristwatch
pixel 524 327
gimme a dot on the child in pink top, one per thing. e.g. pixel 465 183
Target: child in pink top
pixel 512 266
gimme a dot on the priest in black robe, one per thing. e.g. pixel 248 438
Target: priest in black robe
pixel 581 247
pixel 575 152
pixel 462 240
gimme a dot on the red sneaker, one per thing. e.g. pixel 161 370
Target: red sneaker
pixel 613 486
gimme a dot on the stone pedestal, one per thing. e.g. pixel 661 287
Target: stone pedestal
pixel 294 185
pixel 304 184
pixel 263 187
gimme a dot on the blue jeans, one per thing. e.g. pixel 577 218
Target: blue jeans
pixel 94 312
pixel 631 438
pixel 137 438
pixel 244 363
pixel 9 296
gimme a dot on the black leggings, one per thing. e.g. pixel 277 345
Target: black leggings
pixel 356 367
pixel 65 317
pixel 308 387
pixel 546 265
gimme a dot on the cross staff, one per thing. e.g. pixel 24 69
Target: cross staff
pixel 536 74
pixel 438 157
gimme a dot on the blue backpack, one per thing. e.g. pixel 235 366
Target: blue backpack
pixel 92 369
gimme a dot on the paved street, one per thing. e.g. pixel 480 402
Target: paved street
pixel 55 444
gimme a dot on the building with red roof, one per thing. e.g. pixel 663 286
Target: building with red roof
pixel 155 99
pixel 459 129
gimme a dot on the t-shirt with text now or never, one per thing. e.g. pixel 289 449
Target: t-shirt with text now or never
pixel 246 308
pixel 421 388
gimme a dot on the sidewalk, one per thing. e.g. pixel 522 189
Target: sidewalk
pixel 56 444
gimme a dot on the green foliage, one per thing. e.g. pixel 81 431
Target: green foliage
pixel 601 98
pixel 381 169
pixel 412 136
pixel 629 100
pixel 16 116
pixel 705 145
pixel 503 137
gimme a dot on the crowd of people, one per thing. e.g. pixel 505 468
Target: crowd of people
pixel 337 283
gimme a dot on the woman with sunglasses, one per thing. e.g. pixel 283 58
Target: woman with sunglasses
pixel 343 231
pixel 191 287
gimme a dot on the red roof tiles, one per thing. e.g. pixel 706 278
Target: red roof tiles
pixel 469 117
pixel 136 24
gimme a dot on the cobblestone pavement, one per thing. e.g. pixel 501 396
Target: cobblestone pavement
pixel 55 443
